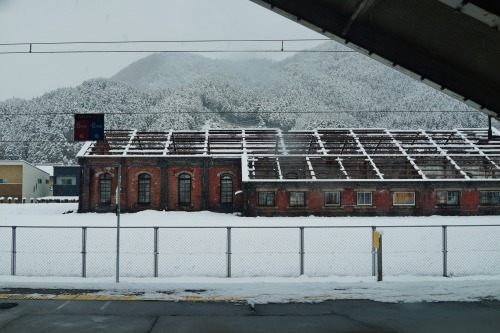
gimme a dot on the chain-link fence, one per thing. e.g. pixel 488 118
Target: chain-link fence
pixel 248 251
pixel 412 251
pixel 191 252
pixel 5 251
pixel 473 251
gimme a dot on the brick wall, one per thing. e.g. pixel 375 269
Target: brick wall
pixel 426 201
pixel 94 188
pixel 205 191
pixel 382 199
pixel 315 200
pixel 469 202
pixel 173 188
pixel 214 193
pixel 132 188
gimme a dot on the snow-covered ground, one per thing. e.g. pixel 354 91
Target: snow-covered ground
pixel 52 214
pixel 407 261
pixel 268 290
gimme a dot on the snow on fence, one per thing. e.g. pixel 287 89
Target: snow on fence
pixel 248 251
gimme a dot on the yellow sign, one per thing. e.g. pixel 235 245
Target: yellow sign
pixel 376 243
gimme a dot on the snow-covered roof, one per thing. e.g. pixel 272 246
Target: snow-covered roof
pixel 320 154
pixel 186 143
pixel 24 163
pixel 47 168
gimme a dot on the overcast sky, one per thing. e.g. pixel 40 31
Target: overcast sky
pixel 31 21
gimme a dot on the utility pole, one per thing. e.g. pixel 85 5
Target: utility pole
pixel 118 187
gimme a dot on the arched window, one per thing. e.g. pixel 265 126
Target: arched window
pixel 184 189
pixel 105 189
pixel 144 188
pixel 226 189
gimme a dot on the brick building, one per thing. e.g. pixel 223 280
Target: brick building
pixel 268 172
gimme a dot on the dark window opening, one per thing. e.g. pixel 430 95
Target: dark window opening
pixel 144 189
pixel 448 198
pixel 364 198
pixel 489 198
pixel 297 199
pixel 105 189
pixel 226 189
pixel 66 181
pixel 266 199
pixel 184 189
pixel 332 198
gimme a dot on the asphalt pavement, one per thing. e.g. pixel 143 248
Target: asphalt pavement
pixel 353 316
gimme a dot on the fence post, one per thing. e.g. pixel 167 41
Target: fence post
pixel 84 252
pixel 374 253
pixel 445 251
pixel 379 258
pixel 301 250
pixel 228 252
pixel 118 195
pixel 156 252
pixel 13 256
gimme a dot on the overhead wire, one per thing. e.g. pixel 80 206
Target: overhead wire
pixel 169 41
pixel 195 41
pixel 177 51
pixel 38 141
pixel 10 114
pixel 201 41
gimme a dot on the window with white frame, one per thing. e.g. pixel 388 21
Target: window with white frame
pixel 66 181
pixel 3 180
pixel 447 198
pixel 489 197
pixel 403 198
pixel 332 198
pixel 364 198
pixel 297 199
pixel 266 198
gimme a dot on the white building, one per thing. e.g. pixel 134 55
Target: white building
pixel 20 179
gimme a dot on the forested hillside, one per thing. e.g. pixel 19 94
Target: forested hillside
pixel 185 91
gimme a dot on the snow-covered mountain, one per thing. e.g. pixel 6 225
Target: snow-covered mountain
pixel 185 91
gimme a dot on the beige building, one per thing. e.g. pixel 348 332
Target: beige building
pixel 20 179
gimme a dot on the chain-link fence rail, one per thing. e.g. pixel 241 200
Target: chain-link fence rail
pixel 249 251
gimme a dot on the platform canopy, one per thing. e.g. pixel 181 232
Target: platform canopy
pixel 452 45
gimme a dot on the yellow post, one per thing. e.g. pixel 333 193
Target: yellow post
pixel 376 237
